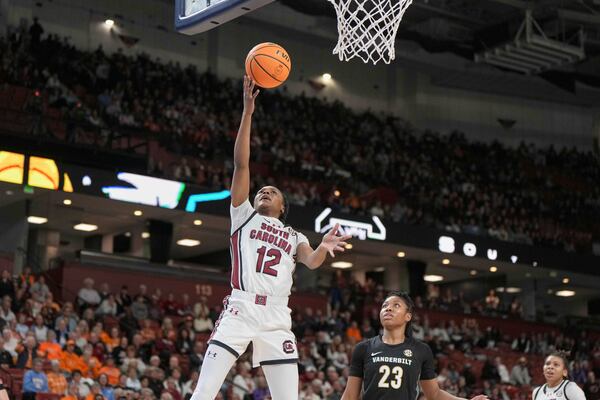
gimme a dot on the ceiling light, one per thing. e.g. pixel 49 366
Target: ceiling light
pixel 565 293
pixel 348 246
pixel 473 272
pixel 188 242
pixel 566 280
pixel 493 268
pixel 433 278
pixel 85 227
pixel 109 22
pixel 401 254
pixel 326 76
pixel 342 264
pixel 138 213
pixel 36 220
pixel 197 222
pixel 67 202
pixel 445 261
pixel 336 193
pixel 145 235
pixel 500 289
pixel 513 289
pixel 127 234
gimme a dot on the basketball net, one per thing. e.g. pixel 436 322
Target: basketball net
pixel 367 28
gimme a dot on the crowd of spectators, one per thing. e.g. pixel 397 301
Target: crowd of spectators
pixel 357 162
pixel 116 345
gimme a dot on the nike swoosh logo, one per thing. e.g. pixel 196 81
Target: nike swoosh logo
pixel 374 354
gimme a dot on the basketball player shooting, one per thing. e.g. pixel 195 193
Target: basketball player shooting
pixel 263 254
pixel 392 365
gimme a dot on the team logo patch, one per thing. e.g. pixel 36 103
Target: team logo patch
pixel 408 353
pixel 288 347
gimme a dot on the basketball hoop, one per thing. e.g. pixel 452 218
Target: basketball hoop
pixel 367 28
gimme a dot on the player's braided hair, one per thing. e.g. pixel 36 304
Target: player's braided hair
pixel 410 305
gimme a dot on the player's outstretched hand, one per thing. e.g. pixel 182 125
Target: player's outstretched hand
pixel 332 242
pixel 480 397
pixel 249 95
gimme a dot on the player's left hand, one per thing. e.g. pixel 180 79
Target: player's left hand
pixel 332 242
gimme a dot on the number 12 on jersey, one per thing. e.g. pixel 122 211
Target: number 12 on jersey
pixel 396 380
pixel 266 266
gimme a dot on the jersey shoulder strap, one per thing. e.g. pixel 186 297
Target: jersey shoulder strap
pixel 245 222
pixel 565 390
pixel 537 391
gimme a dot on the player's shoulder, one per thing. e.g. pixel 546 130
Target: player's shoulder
pixel 535 394
pixel 419 346
pixel 366 344
pixel 573 391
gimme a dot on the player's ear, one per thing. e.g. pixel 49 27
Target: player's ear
pixel 408 317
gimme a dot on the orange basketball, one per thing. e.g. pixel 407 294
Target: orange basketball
pixel 268 64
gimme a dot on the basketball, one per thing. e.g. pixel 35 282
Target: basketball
pixel 268 64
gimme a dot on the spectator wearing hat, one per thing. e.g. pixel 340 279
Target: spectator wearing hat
pixel 70 360
pixel 57 382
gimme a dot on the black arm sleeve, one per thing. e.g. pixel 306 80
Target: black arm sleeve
pixel 427 368
pixel 358 360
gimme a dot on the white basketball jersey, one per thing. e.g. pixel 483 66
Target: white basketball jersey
pixel 263 252
pixel 567 390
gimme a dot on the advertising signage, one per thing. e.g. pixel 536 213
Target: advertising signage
pixel 49 174
pixel 34 171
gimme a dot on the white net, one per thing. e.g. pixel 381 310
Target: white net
pixel 367 28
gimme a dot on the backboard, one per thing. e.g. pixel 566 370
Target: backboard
pixel 196 16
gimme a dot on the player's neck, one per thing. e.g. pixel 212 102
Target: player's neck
pixel 395 336
pixel 268 213
pixel 554 384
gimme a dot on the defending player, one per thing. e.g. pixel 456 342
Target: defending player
pixel 390 366
pixel 557 386
pixel 263 254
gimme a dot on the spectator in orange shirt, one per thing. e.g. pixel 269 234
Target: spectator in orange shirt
pixel 111 371
pixel 353 332
pixel 50 349
pixel 148 332
pixel 92 364
pixel 70 360
pixel 57 383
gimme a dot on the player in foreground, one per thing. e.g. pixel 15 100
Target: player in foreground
pixel 557 386
pixel 389 366
pixel 263 255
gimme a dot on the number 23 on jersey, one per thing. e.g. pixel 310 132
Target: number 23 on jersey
pixel 390 377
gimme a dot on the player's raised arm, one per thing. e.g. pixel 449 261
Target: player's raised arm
pixel 432 391
pixel 240 184
pixel 331 243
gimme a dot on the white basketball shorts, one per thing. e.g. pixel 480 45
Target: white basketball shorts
pixel 263 320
